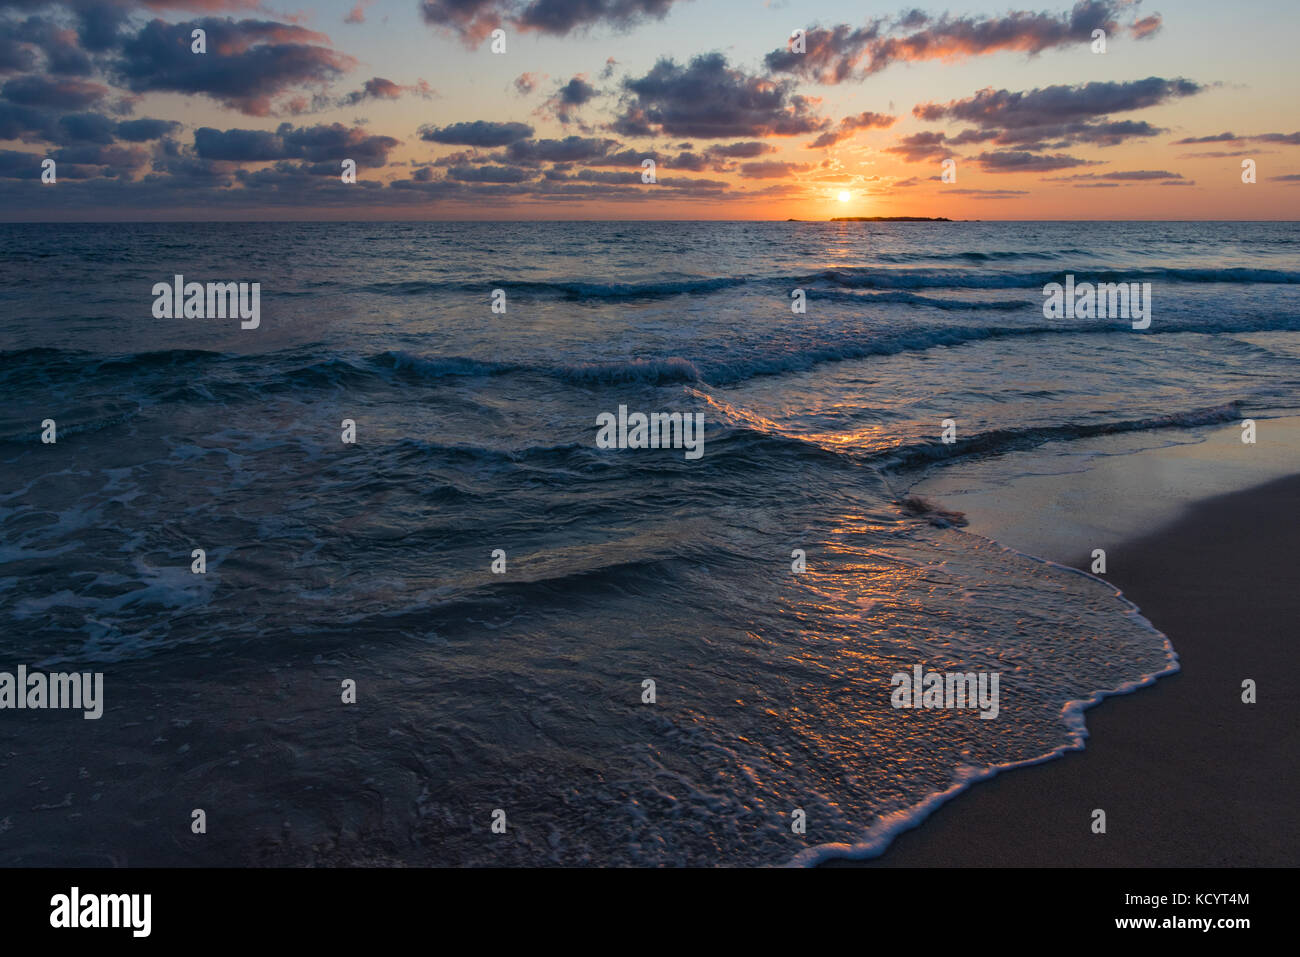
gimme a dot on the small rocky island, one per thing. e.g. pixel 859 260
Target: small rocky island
pixel 890 219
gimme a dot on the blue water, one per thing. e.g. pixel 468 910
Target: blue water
pixel 476 431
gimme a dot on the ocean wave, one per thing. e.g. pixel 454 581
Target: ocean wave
pixel 997 441
pixel 866 277
pixel 719 363
pixel 853 277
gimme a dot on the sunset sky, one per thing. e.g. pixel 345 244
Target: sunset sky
pixel 557 126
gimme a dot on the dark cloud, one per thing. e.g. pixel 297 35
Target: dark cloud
pixel 747 150
pixel 986 193
pixel 315 144
pixel 142 130
pixel 59 45
pixel 110 160
pixel 88 128
pixel 1130 175
pixel 476 133
pixel 60 94
pixel 771 169
pixel 1057 116
pixel 1053 105
pixel 576 92
pixel 1290 139
pixel 15 57
pixel 628 157
pixel 17 165
pixel 1216 138
pixel 571 149
pixel 26 124
pixel 709 99
pixel 490 174
pixel 564 16
pixel 569 97
pixel 474 20
pixel 625 177
pixel 1015 161
pixel 920 146
pixel 248 63
pixel 843 52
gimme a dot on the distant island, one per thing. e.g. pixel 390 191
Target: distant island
pixel 890 219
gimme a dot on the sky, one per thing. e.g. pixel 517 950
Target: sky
pixel 552 109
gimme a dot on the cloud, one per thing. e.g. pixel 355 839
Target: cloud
pixel 63 94
pixel 18 165
pixel 843 52
pixel 142 130
pixel 87 128
pixel 1131 175
pixel 15 57
pixel 1287 139
pixel 358 12
pixel 571 149
pixel 1051 106
pixel 708 99
pixel 1290 139
pixel 986 193
pixel 560 17
pixel 1057 116
pixel 1145 27
pixel 476 133
pixel 474 20
pixel 920 146
pixel 107 160
pixel 490 174
pixel 59 46
pixel 1016 161
pixel 311 143
pixel 747 150
pixel 569 97
pixel 1217 138
pixel 248 64
pixel 850 125
pixel 378 88
pixel 525 83
pixel 772 169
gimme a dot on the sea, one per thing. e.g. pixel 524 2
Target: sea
pixel 473 636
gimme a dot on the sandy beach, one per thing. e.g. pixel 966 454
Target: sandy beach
pixel 1187 773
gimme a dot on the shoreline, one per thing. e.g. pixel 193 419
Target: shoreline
pixel 1187 774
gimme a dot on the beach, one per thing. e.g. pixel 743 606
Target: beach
pixel 390 562
pixel 1187 773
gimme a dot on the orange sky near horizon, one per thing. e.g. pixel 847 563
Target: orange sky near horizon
pixel 1034 121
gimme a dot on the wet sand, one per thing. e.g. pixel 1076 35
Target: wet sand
pixel 1187 773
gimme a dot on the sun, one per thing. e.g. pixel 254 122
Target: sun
pixel 845 196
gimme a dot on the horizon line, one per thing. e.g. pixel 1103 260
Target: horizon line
pixel 828 221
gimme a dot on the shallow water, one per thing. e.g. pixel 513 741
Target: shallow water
pixel 476 431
